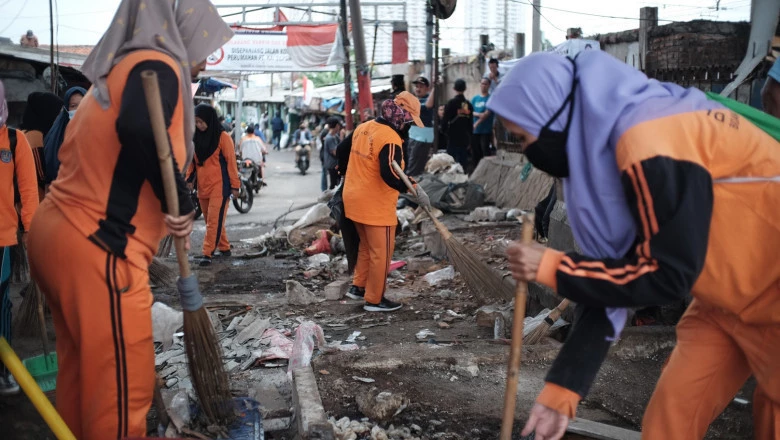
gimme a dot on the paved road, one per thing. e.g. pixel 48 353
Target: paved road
pixel 286 187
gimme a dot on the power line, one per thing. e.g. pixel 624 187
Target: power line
pixel 15 17
pixel 540 14
pixel 584 13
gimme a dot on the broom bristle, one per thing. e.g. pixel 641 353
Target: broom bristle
pixel 537 334
pixel 160 274
pixel 483 281
pixel 165 246
pixel 20 272
pixel 207 371
pixel 26 321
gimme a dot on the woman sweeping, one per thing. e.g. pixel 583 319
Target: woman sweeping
pixel 95 234
pixel 215 165
pixel 39 116
pixel 667 194
pixel 53 140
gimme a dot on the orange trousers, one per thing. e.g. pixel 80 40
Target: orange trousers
pixel 215 212
pixel 715 354
pixel 373 263
pixel 102 312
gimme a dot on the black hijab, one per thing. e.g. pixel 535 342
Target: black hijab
pixel 206 142
pixel 41 111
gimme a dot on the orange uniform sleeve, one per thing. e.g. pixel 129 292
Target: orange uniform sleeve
pixel 229 153
pixel 560 399
pixel 27 179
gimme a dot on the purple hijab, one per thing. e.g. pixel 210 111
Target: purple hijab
pixel 611 97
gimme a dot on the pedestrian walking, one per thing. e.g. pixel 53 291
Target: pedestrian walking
pixel 277 126
pixel 330 143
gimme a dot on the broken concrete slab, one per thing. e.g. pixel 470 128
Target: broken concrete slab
pixel 420 265
pixel 309 412
pixel 254 331
pixel 486 213
pixel 433 241
pixel 337 290
pixel 440 276
pixel 380 406
pixel 300 296
pixel 501 178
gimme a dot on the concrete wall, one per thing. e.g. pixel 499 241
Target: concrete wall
pixel 627 52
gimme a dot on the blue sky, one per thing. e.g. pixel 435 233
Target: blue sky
pixel 84 21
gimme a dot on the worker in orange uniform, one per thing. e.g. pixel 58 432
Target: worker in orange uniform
pixel 371 192
pixel 667 193
pixel 17 168
pixel 215 165
pixel 94 236
pixel 38 118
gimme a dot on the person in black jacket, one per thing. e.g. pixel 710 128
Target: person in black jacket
pixel 458 124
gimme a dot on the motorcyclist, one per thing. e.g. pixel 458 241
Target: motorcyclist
pixel 252 147
pixel 302 140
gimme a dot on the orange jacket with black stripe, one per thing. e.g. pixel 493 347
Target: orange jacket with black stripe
pixel 109 185
pixel 18 165
pixel 703 188
pixel 371 186
pixel 218 174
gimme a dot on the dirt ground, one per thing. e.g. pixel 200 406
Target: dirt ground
pixel 452 390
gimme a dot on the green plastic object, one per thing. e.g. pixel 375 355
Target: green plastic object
pixel 766 122
pixel 43 370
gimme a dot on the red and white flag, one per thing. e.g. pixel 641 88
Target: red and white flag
pixel 315 46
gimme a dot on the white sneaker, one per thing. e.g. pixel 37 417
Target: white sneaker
pixel 8 386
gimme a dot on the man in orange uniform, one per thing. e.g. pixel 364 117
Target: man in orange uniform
pixel 17 167
pixel 96 232
pixel 371 191
pixel 215 164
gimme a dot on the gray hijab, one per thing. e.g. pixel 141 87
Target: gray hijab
pixel 187 30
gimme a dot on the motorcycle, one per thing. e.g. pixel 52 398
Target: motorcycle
pixel 243 203
pixel 250 172
pixel 303 156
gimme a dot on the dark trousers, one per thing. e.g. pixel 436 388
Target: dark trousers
pixel 543 211
pixel 419 153
pixel 276 138
pixel 480 147
pixel 460 154
pixel 334 178
pixel 5 298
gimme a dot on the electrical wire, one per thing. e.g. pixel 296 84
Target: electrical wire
pixel 540 14
pixel 15 17
pixel 528 3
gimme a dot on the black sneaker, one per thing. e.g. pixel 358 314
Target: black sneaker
pixel 356 292
pixel 206 261
pixel 384 306
pixel 226 253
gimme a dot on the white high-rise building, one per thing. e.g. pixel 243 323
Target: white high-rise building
pixel 499 19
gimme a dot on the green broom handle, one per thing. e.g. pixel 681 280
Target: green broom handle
pixel 154 104
pixel 446 234
pixel 34 393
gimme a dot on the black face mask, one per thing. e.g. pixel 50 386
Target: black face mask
pixel 548 152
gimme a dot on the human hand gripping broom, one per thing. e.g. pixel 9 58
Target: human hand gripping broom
pixel 204 354
pixel 483 281
pixel 513 370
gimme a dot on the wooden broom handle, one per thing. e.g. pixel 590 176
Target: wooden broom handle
pixel 154 104
pixel 445 233
pixel 513 370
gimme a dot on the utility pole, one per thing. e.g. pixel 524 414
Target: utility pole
pixel 51 50
pixel 347 75
pixel 436 91
pixel 429 41
pixel 365 100
pixel 536 31
pixel 506 24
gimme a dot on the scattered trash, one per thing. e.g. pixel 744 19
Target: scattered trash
pixel 325 372
pixel 487 214
pixel 165 322
pixel 443 325
pixel 363 379
pixel 321 245
pixel 424 334
pixel 308 335
pixel 434 278
pixel 395 265
pixel 299 295
pixel 353 336
pixel 318 260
